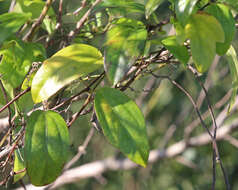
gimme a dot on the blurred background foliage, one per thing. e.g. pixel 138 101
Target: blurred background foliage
pixel 163 106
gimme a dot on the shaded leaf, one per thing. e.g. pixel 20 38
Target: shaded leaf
pixel 17 59
pixel 223 14
pixel 62 68
pixel 204 31
pixel 231 57
pixel 46 146
pixel 10 23
pixel 179 51
pixel 125 42
pixel 19 165
pixel 151 6
pixel 123 124
pixel 183 9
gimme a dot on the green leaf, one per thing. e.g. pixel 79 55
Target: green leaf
pixel 223 14
pixel 204 31
pixel 46 146
pixel 123 124
pixel 125 42
pixel 33 7
pixel 231 3
pixel 151 6
pixel 17 59
pixel 231 57
pixel 19 164
pixel 179 51
pixel 62 68
pixel 10 23
pixel 183 9
pixel 124 6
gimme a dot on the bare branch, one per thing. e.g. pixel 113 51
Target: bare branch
pixel 98 167
pixel 36 25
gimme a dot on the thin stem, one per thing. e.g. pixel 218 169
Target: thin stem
pixel 80 23
pixel 30 34
pixel 14 99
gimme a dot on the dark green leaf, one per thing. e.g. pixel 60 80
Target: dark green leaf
pixel 179 51
pixel 151 6
pixel 183 9
pixel 125 42
pixel 62 68
pixel 10 23
pixel 17 59
pixel 204 31
pixel 122 123
pixel 46 146
pixel 225 17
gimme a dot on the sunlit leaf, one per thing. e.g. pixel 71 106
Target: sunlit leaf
pixel 231 57
pixel 231 3
pixel 124 6
pixel 225 17
pixel 151 6
pixel 17 59
pixel 33 7
pixel 179 51
pixel 123 124
pixel 62 68
pixel 19 165
pixel 10 23
pixel 125 42
pixel 46 146
pixel 204 31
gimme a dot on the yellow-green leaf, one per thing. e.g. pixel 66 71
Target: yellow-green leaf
pixel 123 124
pixel 62 68
pixel 11 23
pixel 231 57
pixel 125 42
pixel 17 60
pixel 179 51
pixel 204 31
pixel 223 14
pixel 19 165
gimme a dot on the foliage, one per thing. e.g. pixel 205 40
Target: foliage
pixel 86 59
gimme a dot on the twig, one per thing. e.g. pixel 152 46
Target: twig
pixel 98 167
pixel 81 92
pixel 219 104
pixel 59 19
pixel 81 149
pixel 216 154
pixel 14 99
pixel 6 99
pixel 233 141
pixel 80 23
pixel 77 114
pixel 36 25
pixel 83 4
pixel 190 98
